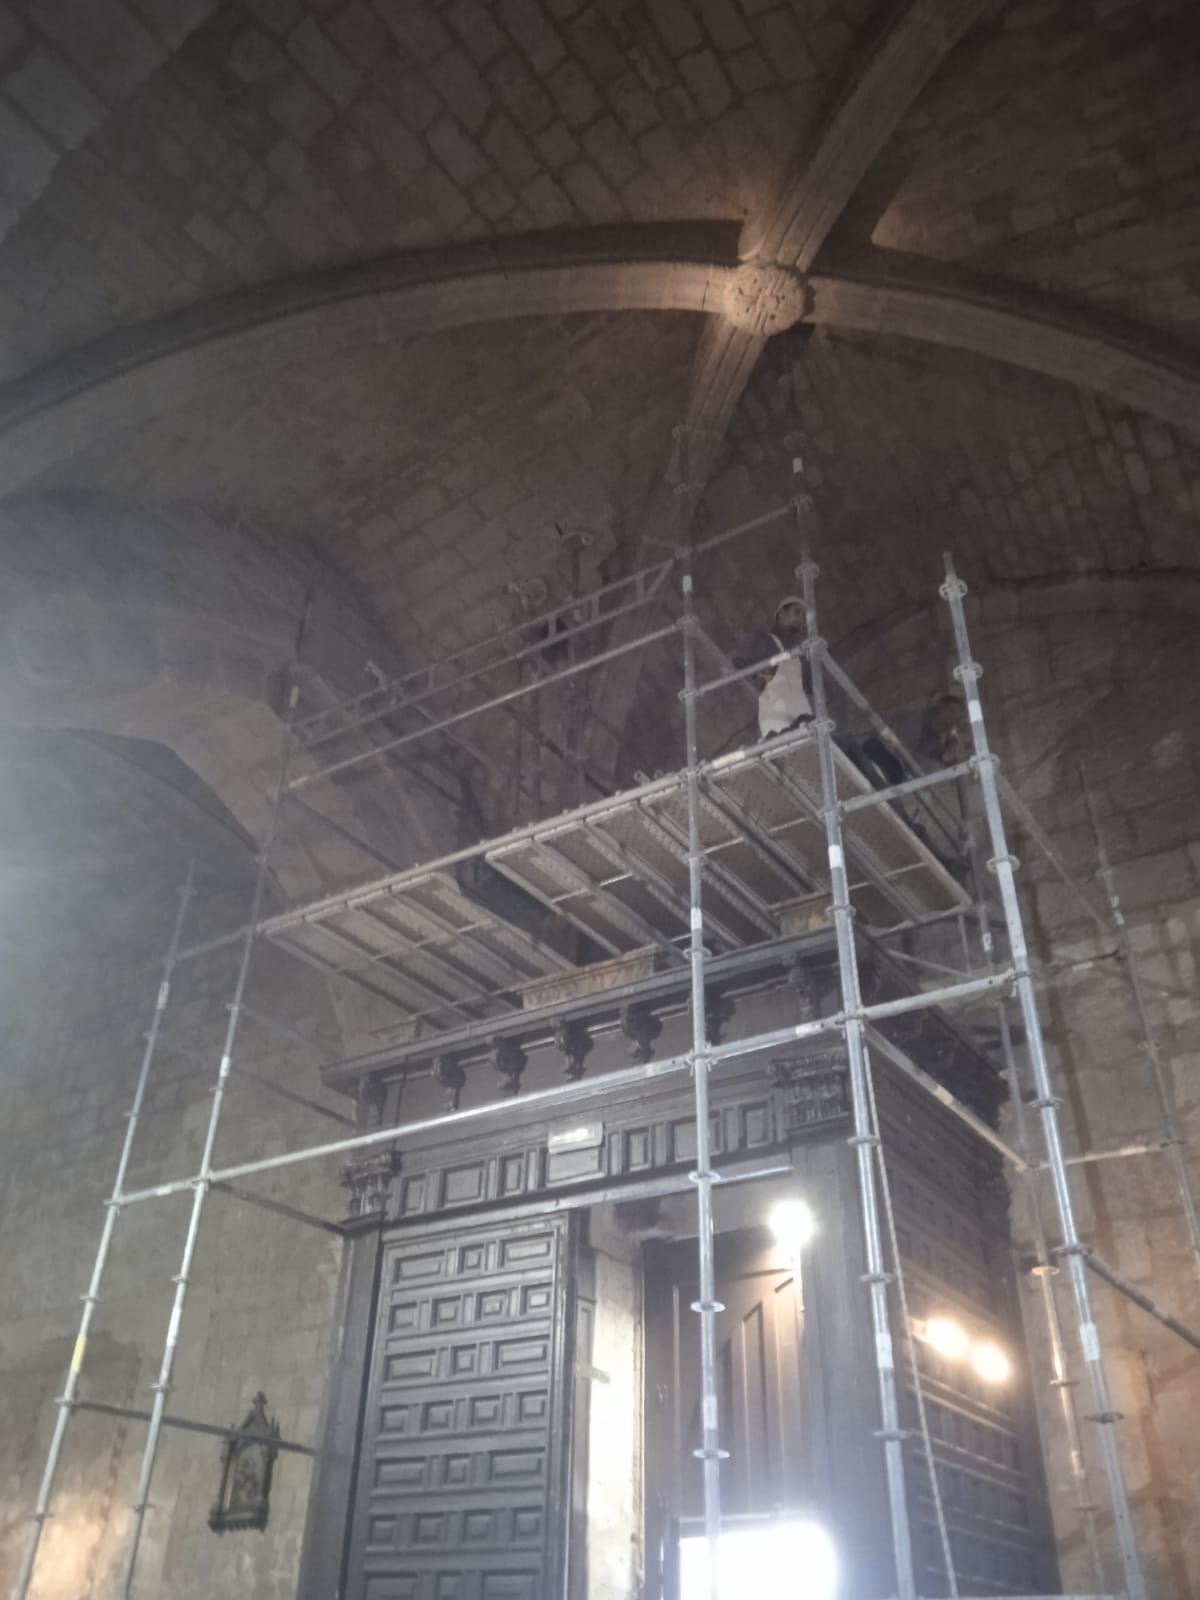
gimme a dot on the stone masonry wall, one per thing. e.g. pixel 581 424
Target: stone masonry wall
pixel 144 168
pixel 261 1287
pixel 1104 674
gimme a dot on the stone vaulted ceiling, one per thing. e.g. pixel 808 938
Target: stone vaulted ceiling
pixel 414 284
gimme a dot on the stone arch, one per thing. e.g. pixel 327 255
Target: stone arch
pixel 117 621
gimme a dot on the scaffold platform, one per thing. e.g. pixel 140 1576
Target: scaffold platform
pixel 616 873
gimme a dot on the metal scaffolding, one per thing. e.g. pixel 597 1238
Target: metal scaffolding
pixel 700 860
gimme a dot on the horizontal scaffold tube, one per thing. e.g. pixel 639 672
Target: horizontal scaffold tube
pixel 568 1093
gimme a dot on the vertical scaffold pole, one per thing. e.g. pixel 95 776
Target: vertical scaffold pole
pixel 1160 1075
pixel 707 1306
pixel 1002 865
pixel 864 1139
pixel 202 1183
pixel 112 1210
pixel 1044 1270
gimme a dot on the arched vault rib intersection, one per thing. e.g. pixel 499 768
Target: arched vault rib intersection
pixel 123 381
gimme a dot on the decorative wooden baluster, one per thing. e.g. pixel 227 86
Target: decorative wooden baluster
pixel 508 1059
pixel 641 1027
pixel 573 1042
pixel 369 1176
pixel 801 982
pixel 719 1013
pixel 449 1073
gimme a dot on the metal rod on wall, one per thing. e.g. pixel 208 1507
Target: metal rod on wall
pixel 189 1425
pixel 203 1182
pixel 1122 1285
pixel 864 1139
pixel 70 1392
pixel 1001 864
pixel 707 1306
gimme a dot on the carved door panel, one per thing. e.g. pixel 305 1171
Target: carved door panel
pixel 463 1468
pixel 769 1470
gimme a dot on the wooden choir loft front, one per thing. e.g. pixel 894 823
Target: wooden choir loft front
pixel 515 1405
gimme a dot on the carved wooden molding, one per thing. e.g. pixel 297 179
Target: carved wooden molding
pixel 509 1060
pixel 641 1027
pixel 369 1180
pixel 449 1072
pixel 573 1042
pixel 816 1089
pixel 719 1012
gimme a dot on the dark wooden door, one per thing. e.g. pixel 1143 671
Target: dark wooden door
pixel 463 1468
pixel 759 1339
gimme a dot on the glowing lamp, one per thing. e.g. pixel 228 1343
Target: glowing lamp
pixel 792 1224
pixel 990 1363
pixel 778 1561
pixel 947 1337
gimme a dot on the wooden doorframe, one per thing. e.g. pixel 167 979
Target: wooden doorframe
pixel 838 1394
pixel 325 1546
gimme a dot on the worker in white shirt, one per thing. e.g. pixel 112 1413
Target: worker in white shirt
pixel 783 701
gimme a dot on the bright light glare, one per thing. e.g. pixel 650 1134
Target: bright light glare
pixel 792 1224
pixel 947 1337
pixel 990 1362
pixel 781 1561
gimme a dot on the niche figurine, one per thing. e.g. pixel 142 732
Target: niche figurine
pixel 247 1462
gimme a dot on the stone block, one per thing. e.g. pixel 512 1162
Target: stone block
pixel 1028 219
pixel 111 48
pixel 420 506
pixel 634 107
pixel 677 26
pixel 474 22
pixel 255 57
pixel 26 160
pixel 707 82
pixel 783 44
pixel 453 525
pixel 325 64
pixel 406 93
pixel 544 203
pixel 592 196
pixel 53 96
pixel 1156 881
pixel 461 88
pixel 557 146
pixel 574 94
pixel 458 154
pixel 358 32
pixel 417 28
pixel 403 155
pixel 445 568
pixel 300 110
pixel 537 37
pixel 725 24
pixel 508 149
pixel 11 33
